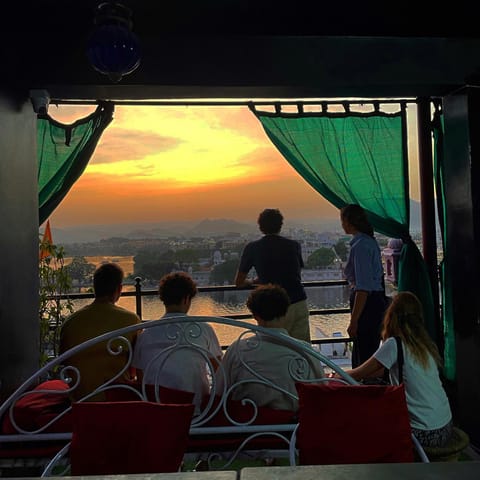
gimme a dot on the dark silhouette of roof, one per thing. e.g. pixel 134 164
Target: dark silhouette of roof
pixel 246 49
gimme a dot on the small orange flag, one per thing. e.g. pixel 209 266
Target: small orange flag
pixel 46 240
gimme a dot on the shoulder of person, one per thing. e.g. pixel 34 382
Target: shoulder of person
pixel 249 245
pixel 364 241
pixel 230 349
pixel 207 328
pixel 126 312
pixel 66 324
pixel 72 318
pixel 288 240
pixel 116 307
pixel 389 343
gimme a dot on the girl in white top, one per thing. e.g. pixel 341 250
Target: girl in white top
pixel 427 402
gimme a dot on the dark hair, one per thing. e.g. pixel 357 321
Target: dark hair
pixel 174 287
pixel 270 221
pixel 357 217
pixel 106 279
pixel 268 302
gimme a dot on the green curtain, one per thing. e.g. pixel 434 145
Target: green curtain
pixel 360 158
pixel 449 352
pixel 63 152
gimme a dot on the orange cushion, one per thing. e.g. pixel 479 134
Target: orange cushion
pixel 128 437
pixel 353 424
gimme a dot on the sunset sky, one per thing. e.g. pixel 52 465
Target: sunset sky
pixel 157 163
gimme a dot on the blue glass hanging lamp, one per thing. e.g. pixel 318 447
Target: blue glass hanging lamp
pixel 112 48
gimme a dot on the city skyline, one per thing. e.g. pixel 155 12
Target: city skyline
pixel 186 163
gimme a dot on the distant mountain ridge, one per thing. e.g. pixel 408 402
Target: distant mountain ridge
pixel 221 226
pixel 204 227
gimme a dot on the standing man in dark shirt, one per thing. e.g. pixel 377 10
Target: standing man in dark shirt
pixel 278 260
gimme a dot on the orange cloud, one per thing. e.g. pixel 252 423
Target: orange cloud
pixel 120 143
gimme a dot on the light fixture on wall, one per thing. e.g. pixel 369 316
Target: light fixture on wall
pixel 112 48
pixel 40 99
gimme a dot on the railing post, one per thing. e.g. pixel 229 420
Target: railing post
pixel 138 296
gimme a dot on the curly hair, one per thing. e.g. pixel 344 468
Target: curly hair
pixel 268 302
pixel 357 217
pixel 174 287
pixel 270 221
pixel 404 319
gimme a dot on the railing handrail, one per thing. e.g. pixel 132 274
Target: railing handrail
pixel 201 289
pixel 139 293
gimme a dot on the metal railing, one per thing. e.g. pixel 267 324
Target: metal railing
pixel 139 293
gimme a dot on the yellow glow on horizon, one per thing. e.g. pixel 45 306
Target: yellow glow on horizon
pixel 178 172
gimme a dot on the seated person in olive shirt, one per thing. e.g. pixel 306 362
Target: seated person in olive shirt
pixel 95 364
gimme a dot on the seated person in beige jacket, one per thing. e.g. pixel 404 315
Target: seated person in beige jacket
pixel 267 368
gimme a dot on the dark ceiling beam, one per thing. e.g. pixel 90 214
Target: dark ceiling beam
pixel 269 67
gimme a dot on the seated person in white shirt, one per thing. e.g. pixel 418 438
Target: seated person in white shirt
pixel 427 402
pixel 267 368
pixel 182 367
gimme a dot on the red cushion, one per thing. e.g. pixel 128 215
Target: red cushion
pixel 353 424
pixel 35 410
pixel 241 414
pixel 128 437
pixel 167 395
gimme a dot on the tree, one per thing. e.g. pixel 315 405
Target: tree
pixel 224 273
pixel 153 265
pixel 191 255
pixel 52 310
pixel 321 258
pixel 80 270
pixel 341 249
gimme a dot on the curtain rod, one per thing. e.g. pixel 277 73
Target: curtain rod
pixel 231 103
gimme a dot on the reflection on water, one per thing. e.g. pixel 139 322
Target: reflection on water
pixel 233 302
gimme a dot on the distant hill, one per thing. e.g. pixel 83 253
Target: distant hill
pixel 221 226
pixel 205 227
pixel 94 233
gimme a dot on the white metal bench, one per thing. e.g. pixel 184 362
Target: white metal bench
pixel 210 440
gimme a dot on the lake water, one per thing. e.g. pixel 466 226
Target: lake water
pixel 233 302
